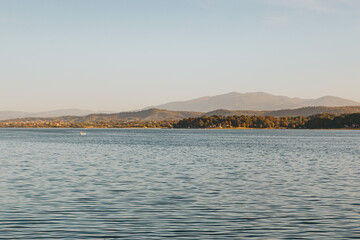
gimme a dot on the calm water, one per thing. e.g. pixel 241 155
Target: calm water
pixel 181 184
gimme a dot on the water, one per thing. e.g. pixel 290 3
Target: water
pixel 180 184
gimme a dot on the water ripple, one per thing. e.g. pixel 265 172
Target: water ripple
pixel 181 184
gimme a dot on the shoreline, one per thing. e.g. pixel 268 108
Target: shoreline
pixel 213 128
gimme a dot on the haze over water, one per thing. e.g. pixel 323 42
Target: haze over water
pixel 181 184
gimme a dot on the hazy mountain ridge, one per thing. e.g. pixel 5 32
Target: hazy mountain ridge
pixel 304 111
pixel 308 111
pixel 249 103
pixel 54 113
pixel 161 115
pixel 144 115
pixel 258 101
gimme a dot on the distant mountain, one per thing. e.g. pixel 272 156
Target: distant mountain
pixel 252 101
pixel 250 104
pixel 225 112
pixel 304 112
pixel 144 115
pixel 159 115
pixel 55 113
pixel 330 101
pixel 12 114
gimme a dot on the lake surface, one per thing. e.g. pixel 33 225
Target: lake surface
pixel 179 184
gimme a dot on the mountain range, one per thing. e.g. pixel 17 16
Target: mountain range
pixel 233 103
pixel 154 114
pixel 55 113
pixel 259 101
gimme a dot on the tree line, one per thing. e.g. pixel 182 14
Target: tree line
pixel 319 121
pixel 89 124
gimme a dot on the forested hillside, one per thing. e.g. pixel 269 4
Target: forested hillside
pixel 320 121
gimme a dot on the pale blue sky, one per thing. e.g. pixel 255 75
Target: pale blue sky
pixel 128 54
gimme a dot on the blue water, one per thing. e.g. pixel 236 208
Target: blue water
pixel 179 184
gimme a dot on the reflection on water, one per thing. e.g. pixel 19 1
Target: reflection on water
pixel 185 184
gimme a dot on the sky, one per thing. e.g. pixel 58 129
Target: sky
pixel 118 55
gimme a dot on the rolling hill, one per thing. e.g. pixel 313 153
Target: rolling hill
pixel 160 115
pixel 259 101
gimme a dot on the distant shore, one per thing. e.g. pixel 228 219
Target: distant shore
pixel 319 121
pixel 212 128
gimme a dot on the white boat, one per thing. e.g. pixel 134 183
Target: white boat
pixel 82 133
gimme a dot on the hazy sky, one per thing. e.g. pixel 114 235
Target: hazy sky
pixel 128 54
